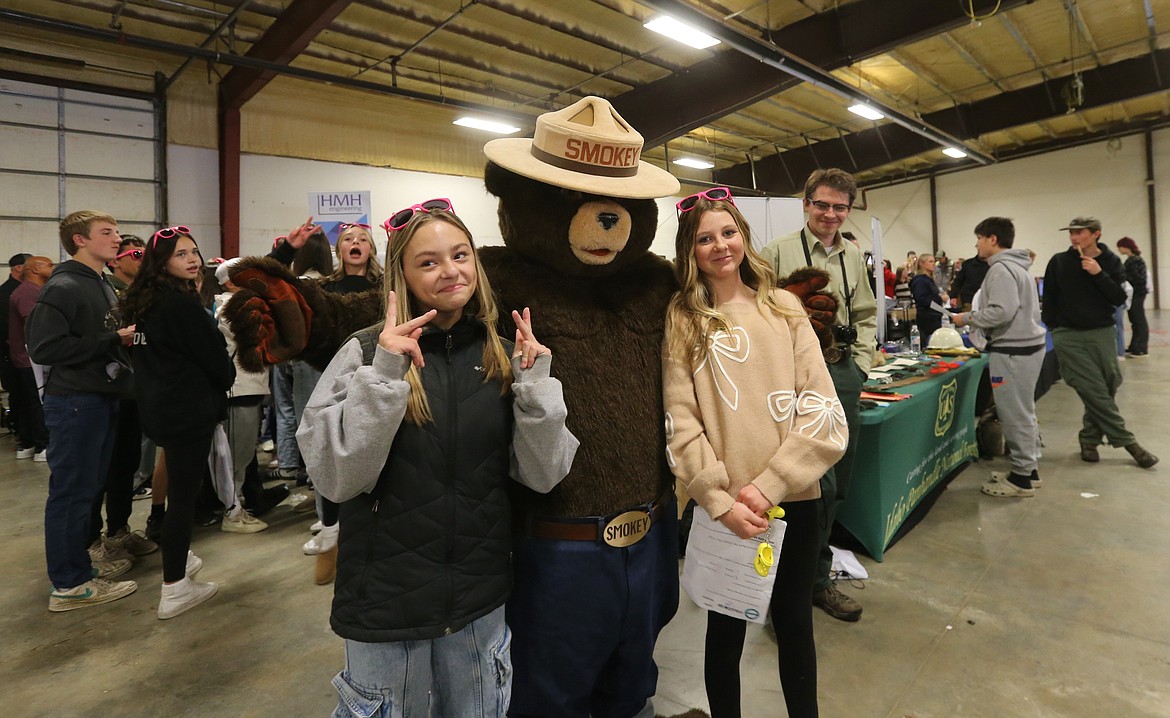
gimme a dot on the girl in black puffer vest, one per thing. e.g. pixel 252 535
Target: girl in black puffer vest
pixel 416 428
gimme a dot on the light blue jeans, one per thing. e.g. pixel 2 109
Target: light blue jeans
pixel 465 675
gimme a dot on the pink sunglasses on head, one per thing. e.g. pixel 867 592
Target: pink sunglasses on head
pixel 399 219
pixel 168 233
pixel 715 194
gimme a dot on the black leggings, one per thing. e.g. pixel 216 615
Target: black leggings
pixel 186 466
pixel 791 617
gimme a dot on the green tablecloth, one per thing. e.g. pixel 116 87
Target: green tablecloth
pixel 906 449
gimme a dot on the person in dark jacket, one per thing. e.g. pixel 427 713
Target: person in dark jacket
pixel 925 293
pixel 183 373
pixel 73 333
pixel 1082 288
pixel 967 280
pixel 416 427
pixel 1138 278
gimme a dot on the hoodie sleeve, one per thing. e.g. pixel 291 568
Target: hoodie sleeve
pixel 53 334
pixel 543 448
pixel 351 420
pixel 1001 299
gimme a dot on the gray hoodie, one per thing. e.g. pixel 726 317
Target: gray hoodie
pixel 1007 308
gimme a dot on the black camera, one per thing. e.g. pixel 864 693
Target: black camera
pixel 844 334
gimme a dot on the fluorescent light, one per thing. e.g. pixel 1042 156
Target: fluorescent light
pixel 696 164
pixel 866 111
pixel 500 128
pixel 675 30
pixel 956 153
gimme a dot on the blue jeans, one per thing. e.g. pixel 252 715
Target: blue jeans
pixel 585 618
pixel 81 439
pixel 465 675
pixel 287 455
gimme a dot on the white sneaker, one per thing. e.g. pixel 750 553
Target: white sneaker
pixel 182 596
pixel 316 528
pixel 41 456
pixel 26 453
pixel 268 447
pixel 312 547
pixel 240 521
pixel 194 563
pixel 94 592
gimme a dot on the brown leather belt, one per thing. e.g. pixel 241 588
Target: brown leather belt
pixel 589 528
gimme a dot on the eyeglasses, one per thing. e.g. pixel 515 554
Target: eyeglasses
pixel 135 254
pixel 346 225
pixel 825 206
pixel 715 194
pixel 167 233
pixel 399 219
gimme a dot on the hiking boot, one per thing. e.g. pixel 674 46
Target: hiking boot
pixel 183 595
pixel 99 550
pixel 110 568
pixel 134 543
pixel 241 522
pixel 1090 454
pixel 837 604
pixel 93 592
pixel 1143 458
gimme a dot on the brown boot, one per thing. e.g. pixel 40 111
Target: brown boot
pixel 326 566
pixel 837 604
pixel 1143 458
pixel 1089 453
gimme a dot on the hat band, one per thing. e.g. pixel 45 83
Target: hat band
pixel 583 167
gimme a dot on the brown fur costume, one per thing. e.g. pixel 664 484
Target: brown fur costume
pixel 604 325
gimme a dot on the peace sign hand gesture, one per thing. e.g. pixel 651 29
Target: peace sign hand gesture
pixel 403 338
pixel 297 237
pixel 526 345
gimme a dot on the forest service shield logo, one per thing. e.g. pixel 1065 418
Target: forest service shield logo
pixel 946 407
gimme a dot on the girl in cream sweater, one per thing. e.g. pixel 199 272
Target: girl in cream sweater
pixel 752 422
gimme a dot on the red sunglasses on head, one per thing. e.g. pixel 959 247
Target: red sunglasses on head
pixel 715 194
pixel 399 219
pixel 135 254
pixel 346 225
pixel 168 233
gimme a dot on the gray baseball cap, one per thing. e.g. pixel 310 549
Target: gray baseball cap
pixel 1090 223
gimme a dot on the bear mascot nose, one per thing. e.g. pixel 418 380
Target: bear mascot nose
pixel 607 220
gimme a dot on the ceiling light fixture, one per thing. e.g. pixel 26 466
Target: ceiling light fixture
pixel 953 152
pixel 694 163
pixel 679 32
pixel 866 111
pixel 500 128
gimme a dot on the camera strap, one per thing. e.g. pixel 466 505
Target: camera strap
pixel 844 274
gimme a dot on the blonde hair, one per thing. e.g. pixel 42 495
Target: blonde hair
pixel 918 269
pixel 79 223
pixel 691 316
pixel 482 305
pixel 373 269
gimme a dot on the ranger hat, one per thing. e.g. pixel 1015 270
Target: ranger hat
pixel 588 147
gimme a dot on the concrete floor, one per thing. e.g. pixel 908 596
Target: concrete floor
pixel 1049 606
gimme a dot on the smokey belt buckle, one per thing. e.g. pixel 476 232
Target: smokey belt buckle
pixel 626 529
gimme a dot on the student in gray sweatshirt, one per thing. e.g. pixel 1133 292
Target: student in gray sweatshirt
pixel 1006 315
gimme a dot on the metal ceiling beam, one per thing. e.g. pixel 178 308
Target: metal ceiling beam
pixel 286 38
pixel 1105 85
pixel 730 81
pixel 207 41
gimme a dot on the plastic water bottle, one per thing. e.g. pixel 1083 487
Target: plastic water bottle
pixel 915 339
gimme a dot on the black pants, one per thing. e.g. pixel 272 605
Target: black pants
pixel 791 609
pixel 1139 339
pixel 26 407
pixel 118 494
pixel 186 466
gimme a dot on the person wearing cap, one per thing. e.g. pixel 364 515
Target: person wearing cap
pixel 828 198
pixel 1139 279
pixel 1082 289
pixel 1007 313
pixel 8 379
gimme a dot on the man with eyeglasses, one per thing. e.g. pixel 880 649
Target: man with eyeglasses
pixel 125 266
pixel 828 198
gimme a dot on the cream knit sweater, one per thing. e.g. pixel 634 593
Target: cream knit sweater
pixel 757 406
